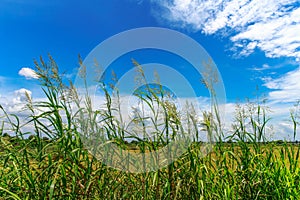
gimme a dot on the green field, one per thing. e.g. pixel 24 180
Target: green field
pixel 59 167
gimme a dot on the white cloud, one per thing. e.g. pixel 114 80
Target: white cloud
pixel 15 103
pixel 272 26
pixel 263 68
pixel 276 37
pixel 21 96
pixel 28 73
pixel 285 88
pixel 280 115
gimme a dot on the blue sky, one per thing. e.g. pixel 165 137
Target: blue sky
pixel 254 43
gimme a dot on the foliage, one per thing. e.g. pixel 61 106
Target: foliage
pixel 59 167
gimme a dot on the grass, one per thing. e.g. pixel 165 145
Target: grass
pixel 60 167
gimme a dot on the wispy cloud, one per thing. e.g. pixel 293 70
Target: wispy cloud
pixel 263 68
pixel 28 73
pixel 272 26
pixel 277 37
pixel 285 88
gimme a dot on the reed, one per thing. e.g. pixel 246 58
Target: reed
pixel 59 166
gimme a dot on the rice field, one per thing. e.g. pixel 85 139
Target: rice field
pixel 52 162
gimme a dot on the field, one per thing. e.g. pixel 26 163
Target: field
pixel 58 166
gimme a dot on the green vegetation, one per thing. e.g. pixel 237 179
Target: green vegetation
pixel 59 167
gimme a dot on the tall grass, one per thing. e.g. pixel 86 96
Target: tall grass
pixel 53 162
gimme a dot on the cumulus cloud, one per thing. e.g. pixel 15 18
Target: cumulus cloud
pixel 272 26
pixel 28 73
pixel 15 103
pixel 21 96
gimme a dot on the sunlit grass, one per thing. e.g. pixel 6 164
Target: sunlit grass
pixel 60 167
